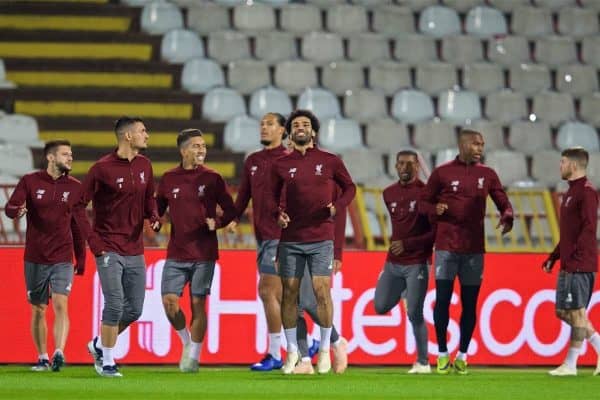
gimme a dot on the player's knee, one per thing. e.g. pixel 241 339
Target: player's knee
pixel 562 315
pixel 380 306
pixel 39 310
pixel 131 315
pixel 415 316
pixel 171 306
pixel 266 294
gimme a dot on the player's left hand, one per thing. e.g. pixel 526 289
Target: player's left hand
pixel 506 223
pixel 547 265
pixel 79 268
pixel 397 247
pixel 156 225
pixel 212 224
pixel 337 266
pixel 332 210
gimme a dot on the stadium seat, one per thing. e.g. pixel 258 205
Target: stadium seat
pixel 544 167
pixel 230 3
pixel 199 75
pixel 578 22
pixel 322 47
pixel 590 50
pixel 392 20
pixel 227 46
pixel 532 21
pixel 530 78
pixel 364 165
pixel 555 50
pixel 295 76
pixel 414 48
pixel 222 104
pixel 461 49
pixel 342 76
pixel 492 132
pixel 439 21
pixel 367 48
pixel 434 135
pixel 275 2
pixel 483 78
pixel 339 134
pixel 247 75
pixel 508 6
pixel 386 133
pixel 4 83
pixel 593 170
pixel 462 6
pixel 370 3
pixel 485 22
pixel 269 99
pixel 412 106
pixel 389 76
pixel 159 17
pixel 321 102
pixel 20 129
pixel 443 156
pixel 553 107
pixel 435 77
pixel 506 106
pixel 577 79
pixel 242 134
pixel 180 45
pixel 364 105
pixel 301 18
pixel 575 133
pixel 275 46
pixel 511 166
pixel 324 3
pixel 254 17
pixel 508 50
pixel 592 4
pixel 588 108
pixel 206 17
pixel 416 5
pixel 346 18
pixel 459 106
pixel 135 3
pixel 15 159
pixel 555 4
pixel 529 137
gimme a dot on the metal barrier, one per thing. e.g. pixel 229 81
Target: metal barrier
pixel 535 228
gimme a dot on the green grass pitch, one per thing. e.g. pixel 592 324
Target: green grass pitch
pixel 166 382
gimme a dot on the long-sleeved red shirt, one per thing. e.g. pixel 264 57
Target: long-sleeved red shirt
pixel 464 187
pixel 192 196
pixel 122 193
pixel 256 183
pixel 410 223
pixel 53 218
pixel 307 184
pixel 577 249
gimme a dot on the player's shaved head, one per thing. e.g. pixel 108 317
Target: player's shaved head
pixel 467 134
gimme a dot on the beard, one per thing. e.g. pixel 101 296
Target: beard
pixel 302 140
pixel 63 168
pixel 406 177
pixel 265 142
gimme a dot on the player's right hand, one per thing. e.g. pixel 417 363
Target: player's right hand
pixel 283 220
pixel 440 208
pixel 232 227
pixel 22 211
pixel 547 265
pixel 212 224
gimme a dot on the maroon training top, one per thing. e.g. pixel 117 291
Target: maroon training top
pixel 307 183
pixel 464 187
pixel 53 219
pixel 410 223
pixel 122 193
pixel 256 183
pixel 577 249
pixel 192 196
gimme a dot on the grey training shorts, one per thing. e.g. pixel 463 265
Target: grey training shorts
pixel 574 290
pixel 41 279
pixel 176 274
pixel 295 256
pixel 266 253
pixel 468 267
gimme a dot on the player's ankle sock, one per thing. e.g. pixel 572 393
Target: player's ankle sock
pixel 184 335
pixel 595 342
pixel 98 342
pixel 57 351
pixel 43 356
pixel 336 342
pixel 195 350
pixel 443 354
pixel 325 338
pixel 461 356
pixel 275 345
pixel 292 340
pixel 107 356
pixel 316 332
pixel 306 359
pixel 571 359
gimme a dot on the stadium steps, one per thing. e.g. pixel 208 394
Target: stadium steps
pixel 92 73
pixel 97 132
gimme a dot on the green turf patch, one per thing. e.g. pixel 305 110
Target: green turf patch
pixel 166 382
